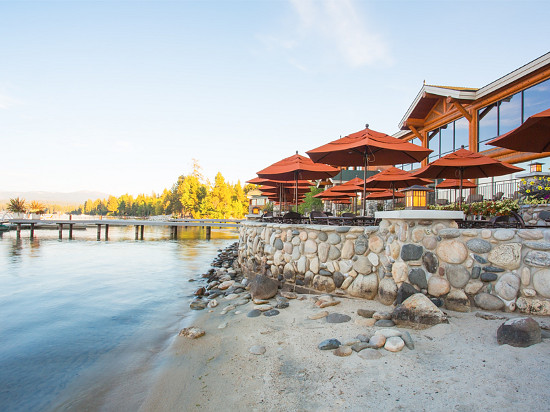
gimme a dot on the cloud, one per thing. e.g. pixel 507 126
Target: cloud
pixel 340 23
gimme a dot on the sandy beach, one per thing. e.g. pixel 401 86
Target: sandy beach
pixel 456 366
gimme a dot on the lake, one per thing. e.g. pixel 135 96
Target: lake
pixel 83 320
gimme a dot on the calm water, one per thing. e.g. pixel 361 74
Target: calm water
pixel 79 318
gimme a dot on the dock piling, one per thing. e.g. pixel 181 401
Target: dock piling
pixel 19 230
pixel 106 232
pixel 136 232
pixel 98 232
pixel 71 231
pixel 142 229
pixel 60 228
pixel 32 231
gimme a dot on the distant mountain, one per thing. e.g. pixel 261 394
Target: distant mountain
pixel 58 197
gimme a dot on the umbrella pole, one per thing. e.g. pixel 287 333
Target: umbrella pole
pixel 366 164
pixel 461 174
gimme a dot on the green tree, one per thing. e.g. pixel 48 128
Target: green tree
pixel 17 205
pixel 311 203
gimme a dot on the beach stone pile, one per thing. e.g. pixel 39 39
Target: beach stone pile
pixel 225 282
pixel 457 269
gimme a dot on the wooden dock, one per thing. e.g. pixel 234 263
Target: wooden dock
pixel 139 225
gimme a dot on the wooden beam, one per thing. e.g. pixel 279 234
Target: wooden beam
pixel 415 132
pixel 461 109
pixel 414 122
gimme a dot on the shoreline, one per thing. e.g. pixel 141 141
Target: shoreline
pixel 457 366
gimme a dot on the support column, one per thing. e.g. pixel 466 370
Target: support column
pixel 32 230
pixel 98 232
pixel 175 234
pixel 142 229
pixel 137 232
pixel 19 230
pixel 60 227
pixel 106 232
pixel 71 231
pixel 208 231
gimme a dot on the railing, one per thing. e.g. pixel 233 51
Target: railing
pixel 509 188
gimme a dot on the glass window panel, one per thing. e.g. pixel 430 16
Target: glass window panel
pixel 462 133
pixel 433 143
pixel 509 113
pixel 447 138
pixel 536 99
pixel 487 118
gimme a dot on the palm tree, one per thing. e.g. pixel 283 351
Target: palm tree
pixel 17 205
pixel 37 207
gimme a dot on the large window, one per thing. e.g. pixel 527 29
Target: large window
pixel 448 138
pixel 536 99
pixel 412 166
pixel 509 113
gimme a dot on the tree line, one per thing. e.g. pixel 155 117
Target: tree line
pixel 190 196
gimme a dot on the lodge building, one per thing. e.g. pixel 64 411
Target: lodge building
pixel 445 118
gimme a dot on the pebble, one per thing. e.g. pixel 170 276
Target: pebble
pixel 338 318
pixel 365 322
pixel 388 333
pixel 358 347
pixel 325 304
pixel 381 315
pixel 192 332
pixel 271 312
pixel 343 351
pixel 386 323
pixel 263 308
pixel 394 344
pixel 377 341
pixel 254 313
pixel 369 354
pixel 363 337
pixel 406 336
pixel 257 350
pixel 222 325
pixel 198 304
pixel 289 295
pixel 351 342
pixel 231 296
pixel 213 303
pixel 318 315
pixel 329 344
pixel 366 313
pixel 260 301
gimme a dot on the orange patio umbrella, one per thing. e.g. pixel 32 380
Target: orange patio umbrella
pixel 384 195
pixel 368 147
pixel 297 167
pixel 465 164
pixel 394 178
pixel 455 184
pixel 532 136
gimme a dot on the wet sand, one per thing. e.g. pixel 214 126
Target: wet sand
pixel 456 366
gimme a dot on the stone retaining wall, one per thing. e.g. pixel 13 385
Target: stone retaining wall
pixel 492 269
pixel 530 214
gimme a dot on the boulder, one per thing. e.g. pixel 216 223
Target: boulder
pixel 192 332
pixel 541 282
pixel 430 262
pixel 262 287
pixel 323 283
pixel 457 275
pixel 411 251
pixel 477 245
pixel 438 286
pixel 418 310
pixel 364 286
pixel 507 286
pixel 387 291
pixel 452 251
pixel 519 332
pixel 405 291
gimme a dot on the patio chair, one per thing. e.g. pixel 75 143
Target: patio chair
pixel 292 217
pixel 318 218
pixel 476 197
pixel 498 196
pixel 513 221
pixel 442 202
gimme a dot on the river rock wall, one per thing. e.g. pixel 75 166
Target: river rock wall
pixel 530 214
pixel 462 269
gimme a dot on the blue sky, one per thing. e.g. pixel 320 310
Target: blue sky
pixel 120 96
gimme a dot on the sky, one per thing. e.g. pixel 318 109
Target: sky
pixel 121 96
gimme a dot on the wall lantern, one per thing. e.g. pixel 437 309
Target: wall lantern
pixel 536 167
pixel 416 197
